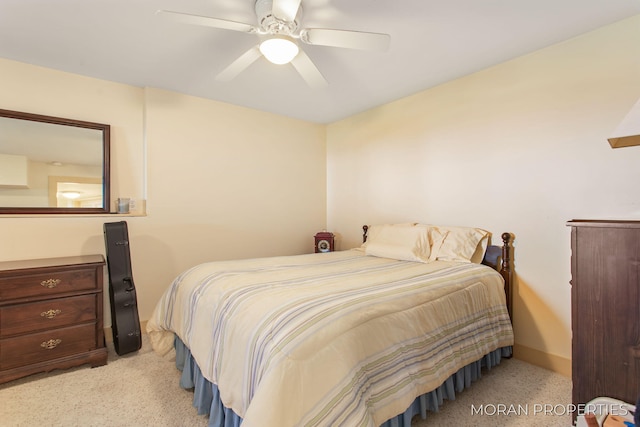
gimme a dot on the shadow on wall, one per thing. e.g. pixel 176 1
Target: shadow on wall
pixel 525 303
pixel 152 265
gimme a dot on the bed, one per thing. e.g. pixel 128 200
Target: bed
pixel 369 336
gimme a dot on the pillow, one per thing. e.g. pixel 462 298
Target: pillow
pixel 462 244
pixel 374 230
pixel 436 239
pixel 402 242
pixel 478 255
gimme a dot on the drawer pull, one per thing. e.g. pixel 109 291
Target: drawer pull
pixel 50 314
pixel 50 283
pixel 50 344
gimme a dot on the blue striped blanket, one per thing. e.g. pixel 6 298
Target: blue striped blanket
pixel 340 338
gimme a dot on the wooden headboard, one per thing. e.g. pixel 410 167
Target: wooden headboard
pixel 496 257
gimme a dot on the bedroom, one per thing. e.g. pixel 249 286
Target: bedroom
pixel 529 145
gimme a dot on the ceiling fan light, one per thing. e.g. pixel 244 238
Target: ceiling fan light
pixel 279 49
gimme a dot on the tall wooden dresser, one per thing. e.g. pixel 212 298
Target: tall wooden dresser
pixel 51 315
pixel 605 309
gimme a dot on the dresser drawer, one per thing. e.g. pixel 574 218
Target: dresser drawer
pixel 47 284
pixel 49 345
pixel 54 313
pixel 51 315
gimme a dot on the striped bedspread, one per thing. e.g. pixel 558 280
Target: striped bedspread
pixel 331 339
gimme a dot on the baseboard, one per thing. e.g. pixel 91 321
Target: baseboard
pixel 108 333
pixel 548 361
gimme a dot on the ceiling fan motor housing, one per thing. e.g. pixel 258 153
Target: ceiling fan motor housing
pixel 271 24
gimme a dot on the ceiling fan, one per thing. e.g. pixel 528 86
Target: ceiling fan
pixel 280 33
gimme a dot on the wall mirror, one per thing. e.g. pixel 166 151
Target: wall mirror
pixel 51 165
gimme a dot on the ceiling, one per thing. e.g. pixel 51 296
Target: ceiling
pixel 432 41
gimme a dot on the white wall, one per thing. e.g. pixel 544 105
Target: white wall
pixel 221 181
pixel 520 147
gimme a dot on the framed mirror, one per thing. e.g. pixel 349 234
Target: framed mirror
pixel 51 165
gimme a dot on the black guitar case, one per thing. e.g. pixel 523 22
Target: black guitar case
pixel 125 322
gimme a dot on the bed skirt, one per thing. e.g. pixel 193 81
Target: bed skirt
pixel 206 398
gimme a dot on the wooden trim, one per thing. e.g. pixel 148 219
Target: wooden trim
pixel 106 164
pixel 558 364
pixel 611 223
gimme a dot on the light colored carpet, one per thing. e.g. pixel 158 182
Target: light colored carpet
pixel 141 389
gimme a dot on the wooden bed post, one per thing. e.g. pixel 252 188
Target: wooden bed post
pixel 505 271
pixel 365 228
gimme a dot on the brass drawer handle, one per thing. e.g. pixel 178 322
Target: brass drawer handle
pixel 50 283
pixel 50 344
pixel 50 314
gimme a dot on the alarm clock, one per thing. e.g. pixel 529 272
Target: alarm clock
pixel 324 241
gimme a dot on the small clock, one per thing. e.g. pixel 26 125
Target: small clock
pixel 324 241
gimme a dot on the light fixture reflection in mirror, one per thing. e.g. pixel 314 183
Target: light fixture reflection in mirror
pixel 44 157
pixel 70 192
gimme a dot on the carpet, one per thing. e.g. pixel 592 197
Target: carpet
pixel 141 389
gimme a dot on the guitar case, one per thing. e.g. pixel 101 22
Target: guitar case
pixel 125 322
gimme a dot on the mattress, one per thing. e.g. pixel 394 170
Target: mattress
pixel 340 338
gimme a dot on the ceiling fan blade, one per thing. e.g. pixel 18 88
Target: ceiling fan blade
pixel 309 71
pixel 286 9
pixel 239 65
pixel 347 39
pixel 207 21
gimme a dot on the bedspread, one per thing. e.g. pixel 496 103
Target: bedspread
pixel 338 338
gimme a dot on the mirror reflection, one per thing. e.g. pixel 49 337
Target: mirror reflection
pixel 52 165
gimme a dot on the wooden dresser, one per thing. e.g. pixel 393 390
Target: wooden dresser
pixel 605 309
pixel 50 315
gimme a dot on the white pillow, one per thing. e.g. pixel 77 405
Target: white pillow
pixel 462 244
pixel 478 255
pixel 374 230
pixel 401 242
pixel 436 239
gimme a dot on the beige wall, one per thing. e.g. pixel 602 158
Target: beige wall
pixel 226 182
pixel 520 147
pixel 221 181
